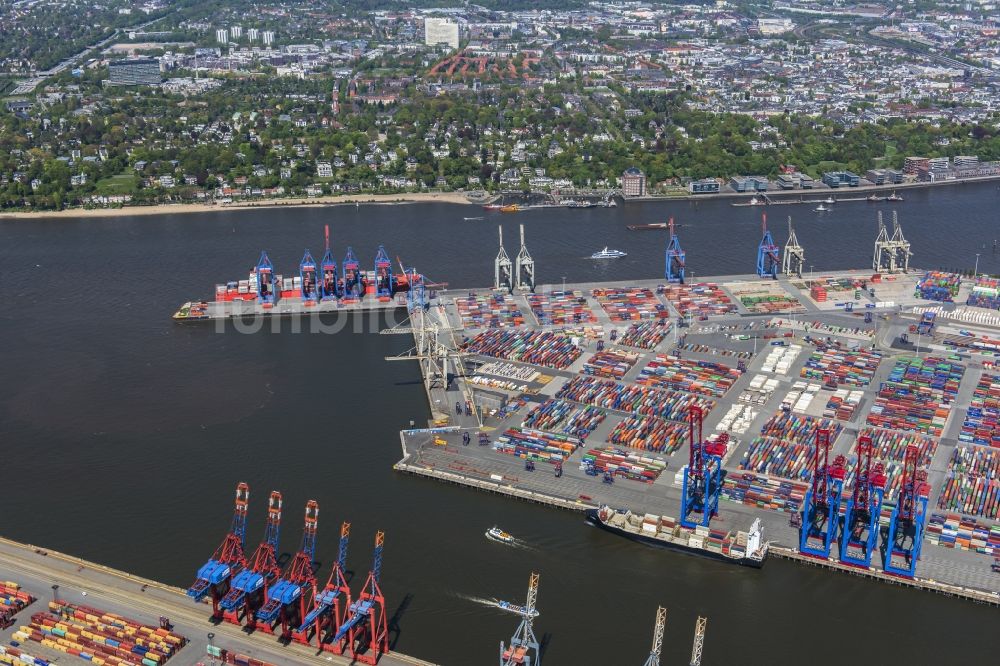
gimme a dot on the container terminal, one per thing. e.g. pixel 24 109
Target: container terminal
pixel 854 412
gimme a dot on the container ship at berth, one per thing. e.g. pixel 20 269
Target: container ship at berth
pixel 744 548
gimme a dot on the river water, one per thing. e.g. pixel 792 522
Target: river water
pixel 123 434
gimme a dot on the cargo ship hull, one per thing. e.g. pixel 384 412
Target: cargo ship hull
pixel 593 517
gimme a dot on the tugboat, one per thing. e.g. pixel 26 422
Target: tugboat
pixel 498 535
pixel 608 254
pixel 744 548
pixel 829 200
pixel 894 197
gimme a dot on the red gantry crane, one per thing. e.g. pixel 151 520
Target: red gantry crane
pixel 287 602
pixel 215 575
pixel 249 590
pixel 329 605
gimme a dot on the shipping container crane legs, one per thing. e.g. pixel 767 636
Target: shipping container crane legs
pixel 287 602
pixel 524 649
pixel 329 289
pixel 365 628
pixel 821 506
pixel 675 257
pixel 329 606
pixel 768 259
pixel 524 267
pixel 385 280
pixel 502 269
pixel 249 589
pixel 859 535
pixel 908 520
pixel 353 287
pixel 654 653
pixel 266 287
pixel 703 475
pixel 900 246
pixel 795 256
pixel 307 276
pixel 214 576
pixel 699 641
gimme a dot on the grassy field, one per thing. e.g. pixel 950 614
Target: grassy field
pixel 120 184
pixel 6 85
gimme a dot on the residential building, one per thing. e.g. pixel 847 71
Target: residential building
pixel 633 183
pixel 222 36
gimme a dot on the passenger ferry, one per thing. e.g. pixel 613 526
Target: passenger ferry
pixel 608 254
pixel 498 535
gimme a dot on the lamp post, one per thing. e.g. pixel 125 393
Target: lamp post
pixel 975 272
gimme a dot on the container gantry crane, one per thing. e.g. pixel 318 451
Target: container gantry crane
pixel 352 287
pixel 385 279
pixel 703 474
pixel 908 520
pixel 329 288
pixel 524 267
pixel 675 257
pixel 265 281
pixel 524 649
pixel 307 275
pixel 249 588
pixel 287 601
pixel 503 269
pixel 654 653
pixel 365 628
pixel 214 576
pixel 768 259
pixel 821 506
pixel 859 535
pixel 699 641
pixel 329 605
pixel 794 257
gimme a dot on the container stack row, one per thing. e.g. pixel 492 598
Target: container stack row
pixel 560 307
pixel 890 449
pixel 801 429
pixel 562 416
pixel 985 293
pixel 630 304
pixel 494 310
pixel 917 396
pixel 832 364
pixel 764 492
pixel 972 482
pixel 982 419
pixel 19 657
pixel 625 464
pixel 775 457
pixel 765 298
pixel 952 530
pixel 610 363
pixel 535 347
pixel 628 398
pixel 698 300
pixel 536 445
pixel 650 433
pixel 12 600
pixel 820 327
pixel 842 404
pixel 779 360
pixel 701 377
pixel 938 286
pixel 645 334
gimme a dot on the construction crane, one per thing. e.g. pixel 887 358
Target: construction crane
pixel 768 259
pixel 287 600
pixel 214 576
pixel 249 587
pixel 353 287
pixel 307 275
pixel 329 605
pixel 524 267
pixel 699 640
pixel 908 520
pixel 675 257
pixel 524 648
pixel 385 280
pixel 859 535
pixel 821 506
pixel 795 257
pixel 365 628
pixel 502 268
pixel 703 474
pixel 654 653
pixel 329 289
pixel 265 281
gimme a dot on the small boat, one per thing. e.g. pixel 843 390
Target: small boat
pixel 821 208
pixel 608 254
pixel 894 197
pixel 498 535
pixel 509 208
pixel 492 207
pixel 829 200
pixel 754 201
pixel 646 227
pixel 874 197
pixel 473 218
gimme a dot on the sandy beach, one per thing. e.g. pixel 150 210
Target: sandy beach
pixel 312 202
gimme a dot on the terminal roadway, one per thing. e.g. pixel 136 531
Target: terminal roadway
pixel 82 582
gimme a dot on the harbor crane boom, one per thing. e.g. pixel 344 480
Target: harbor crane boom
pixel 654 652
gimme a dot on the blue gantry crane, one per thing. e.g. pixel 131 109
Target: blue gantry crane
pixel 768 259
pixel 329 605
pixel 908 519
pixel 353 287
pixel 265 280
pixel 287 598
pixel 821 506
pixel 307 276
pixel 215 575
pixel 365 629
pixel 249 588
pixel 675 257
pixel 703 474
pixel 329 288
pixel 859 535
pixel 385 280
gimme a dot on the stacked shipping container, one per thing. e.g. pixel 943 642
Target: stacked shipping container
pixel 564 417
pixel 917 396
pixel 702 377
pixel 698 300
pixel 831 363
pixel 972 482
pixel 646 334
pixel 636 399
pixel 611 363
pixel 650 433
pixel 535 347
pixel 982 419
pixel 630 304
pixel 491 311
pixel 560 307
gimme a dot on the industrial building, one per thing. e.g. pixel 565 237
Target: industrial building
pixel 704 186
pixel 136 72
pixel 840 178
pixel 748 183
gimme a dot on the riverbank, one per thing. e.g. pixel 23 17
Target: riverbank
pixel 311 202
